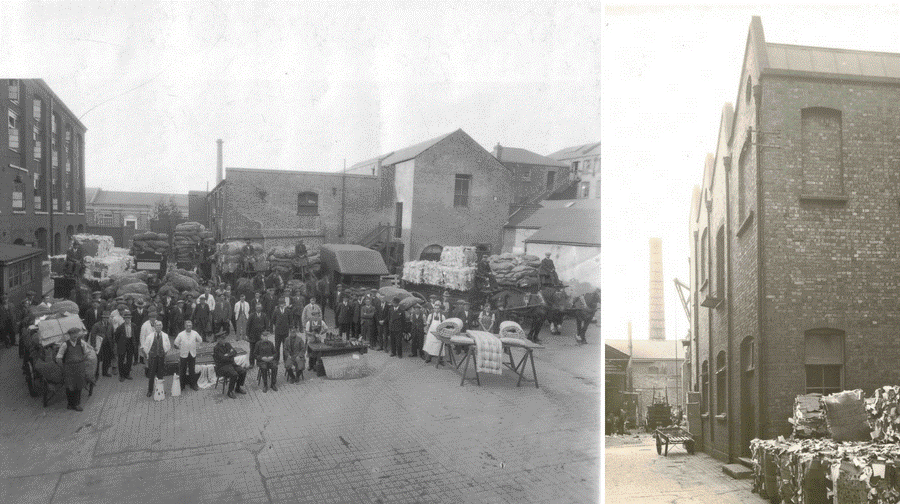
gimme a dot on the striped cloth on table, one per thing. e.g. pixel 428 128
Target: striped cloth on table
pixel 489 352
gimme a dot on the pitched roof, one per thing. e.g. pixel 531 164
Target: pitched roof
pixel 833 61
pixel 103 197
pixel 649 349
pixel 570 226
pixel 9 252
pixel 521 214
pixel 576 151
pixel 524 156
pixel 89 193
pixel 413 150
pixel 352 259
pixel 368 162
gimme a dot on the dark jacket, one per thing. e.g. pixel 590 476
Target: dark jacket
pixel 396 320
pixel 201 317
pixel 417 324
pixel 256 325
pixel 281 321
pixel 367 314
pixel 92 316
pixel 123 342
pixel 175 320
pixel 263 348
pixel 343 314
pixel 469 319
pixel 356 311
pixel 223 354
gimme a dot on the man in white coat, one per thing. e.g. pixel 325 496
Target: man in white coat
pixel 155 345
pixel 186 342
pixel 241 316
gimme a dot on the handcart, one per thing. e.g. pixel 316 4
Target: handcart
pixel 673 436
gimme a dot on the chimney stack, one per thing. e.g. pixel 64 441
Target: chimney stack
pixel 657 300
pixel 219 173
pixel 498 152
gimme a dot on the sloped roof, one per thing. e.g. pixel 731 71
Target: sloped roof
pixel 616 362
pixel 521 214
pixel 570 226
pixel 833 61
pixel 10 253
pixel 103 197
pixel 352 259
pixel 413 150
pixel 572 203
pixel 89 193
pixel 649 349
pixel 576 151
pixel 524 156
pixel 368 162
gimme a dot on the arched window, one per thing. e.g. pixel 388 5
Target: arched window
pixel 40 236
pixel 57 245
pixel 823 172
pixel 704 386
pixel 307 203
pixel 431 253
pixel 748 354
pixel 824 360
pixel 70 232
pixel 721 382
pixel 80 228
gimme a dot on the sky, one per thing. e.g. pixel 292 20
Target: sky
pixel 304 86
pixel 667 73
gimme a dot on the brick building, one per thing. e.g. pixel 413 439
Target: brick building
pixel 535 177
pixel 446 191
pixel 585 162
pixel 794 239
pixel 125 208
pixel 653 373
pixel 42 190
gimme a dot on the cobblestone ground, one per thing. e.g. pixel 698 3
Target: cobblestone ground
pixel 634 473
pixel 406 433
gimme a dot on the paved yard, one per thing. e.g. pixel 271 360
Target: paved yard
pixel 406 433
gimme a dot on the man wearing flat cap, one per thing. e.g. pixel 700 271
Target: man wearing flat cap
pixel 102 330
pixel 126 336
pixel 73 356
pixel 223 356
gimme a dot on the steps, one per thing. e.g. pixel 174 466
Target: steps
pixel 742 470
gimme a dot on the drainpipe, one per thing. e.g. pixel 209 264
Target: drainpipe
pixel 51 236
pixel 729 374
pixel 760 265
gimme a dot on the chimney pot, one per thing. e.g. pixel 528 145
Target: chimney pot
pixel 219 172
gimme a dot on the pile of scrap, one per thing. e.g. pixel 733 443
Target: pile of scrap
pixel 150 242
pixel 809 417
pixel 189 236
pixel 515 270
pixel 455 270
pixel 116 262
pixel 884 414
pixel 95 245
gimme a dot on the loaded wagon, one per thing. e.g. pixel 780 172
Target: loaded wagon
pixel 353 266
pixel 43 375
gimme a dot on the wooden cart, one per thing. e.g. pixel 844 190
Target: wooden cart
pixel 673 436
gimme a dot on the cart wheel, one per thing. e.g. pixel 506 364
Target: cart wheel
pixel 46 387
pixel 689 446
pixel 658 444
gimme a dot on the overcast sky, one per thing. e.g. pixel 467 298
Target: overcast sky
pixel 304 85
pixel 667 72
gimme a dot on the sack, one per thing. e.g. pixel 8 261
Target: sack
pixel 176 385
pixel 159 391
pixel 845 413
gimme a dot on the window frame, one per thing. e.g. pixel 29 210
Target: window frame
pixel 818 364
pixel 704 387
pixel 14 86
pixel 314 208
pixel 18 190
pixel 461 196
pixel 721 383
pixel 13 125
pixel 720 262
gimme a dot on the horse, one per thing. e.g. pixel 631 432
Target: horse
pixel 585 309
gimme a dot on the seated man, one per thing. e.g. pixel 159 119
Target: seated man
pixel 264 353
pixel 315 333
pixel 294 350
pixel 223 356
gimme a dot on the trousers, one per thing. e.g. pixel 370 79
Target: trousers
pixel 187 371
pixel 156 366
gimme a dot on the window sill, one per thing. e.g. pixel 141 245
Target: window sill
pixel 19 212
pixel 745 225
pixel 704 415
pixel 712 302
pixel 38 212
pixel 824 198
pixel 722 418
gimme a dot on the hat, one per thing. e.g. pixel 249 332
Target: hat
pixel 433 297
pixel 221 333
pixel 73 330
pixel 105 313
pixel 126 314
pixel 180 301
pixel 96 293
pixel 462 302
pixel 139 302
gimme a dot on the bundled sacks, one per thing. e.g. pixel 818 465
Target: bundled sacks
pixel 809 417
pixel 458 257
pixel 157 243
pixel 133 288
pixel 520 270
pixel 95 245
pixel 187 239
pixel 180 282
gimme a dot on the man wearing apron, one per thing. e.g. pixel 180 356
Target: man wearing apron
pixel 73 356
pixel 241 316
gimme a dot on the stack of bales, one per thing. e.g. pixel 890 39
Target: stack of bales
pixel 188 238
pixel 283 258
pixel 95 245
pixel 116 262
pixel 124 286
pixel 519 270
pixel 156 243
pixel 228 255
pixel 455 270
pixel 179 283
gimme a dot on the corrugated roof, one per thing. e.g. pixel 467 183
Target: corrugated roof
pixel 352 259
pixel 524 156
pixel 833 61
pixel 575 226
pixel 412 151
pixel 137 198
pixel 649 349
pixel 521 214
pixel 576 151
pixel 9 252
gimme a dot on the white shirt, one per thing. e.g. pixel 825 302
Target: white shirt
pixel 210 300
pixel 147 343
pixel 146 328
pixel 187 343
pixel 241 306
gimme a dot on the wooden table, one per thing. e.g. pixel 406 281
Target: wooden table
pixel 516 367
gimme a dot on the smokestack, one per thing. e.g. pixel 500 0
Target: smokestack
pixel 657 302
pixel 219 173
pixel 498 152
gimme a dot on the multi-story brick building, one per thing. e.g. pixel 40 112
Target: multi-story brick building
pixel 446 191
pixel 42 192
pixel 128 208
pixel 585 162
pixel 535 177
pixel 795 239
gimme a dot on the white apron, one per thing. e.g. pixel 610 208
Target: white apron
pixel 432 345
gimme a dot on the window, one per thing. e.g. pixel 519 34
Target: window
pixel 587 167
pixel 36 110
pixel 585 189
pixel 18 195
pixel 721 382
pixel 720 263
pixel 704 387
pixel 13 129
pixel 749 89
pixel 68 150
pixel 824 360
pixel 38 193
pixel 461 191
pixel 526 175
pixel 822 151
pixel 53 147
pixel 307 203
pixel 653 370
pixel 551 175
pixel 105 219
pixel 36 139
pixel 703 248
pixel 574 166
pixel 748 354
pixel 742 180
pixel 13 90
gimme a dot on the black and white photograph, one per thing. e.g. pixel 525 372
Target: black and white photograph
pixel 751 253
pixel 330 252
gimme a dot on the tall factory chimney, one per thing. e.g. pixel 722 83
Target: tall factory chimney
pixel 657 301
pixel 219 173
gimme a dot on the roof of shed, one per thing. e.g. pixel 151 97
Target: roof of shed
pixel 10 253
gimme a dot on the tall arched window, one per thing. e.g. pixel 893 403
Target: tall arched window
pixel 704 386
pixel 824 360
pixel 721 382
pixel 308 203
pixel 823 171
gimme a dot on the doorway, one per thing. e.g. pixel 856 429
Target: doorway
pixel 748 409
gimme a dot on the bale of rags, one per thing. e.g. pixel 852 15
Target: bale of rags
pixel 133 288
pixel 95 245
pixel 169 290
pixel 409 302
pixel 180 282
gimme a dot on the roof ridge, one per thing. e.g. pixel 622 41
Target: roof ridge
pixel 838 49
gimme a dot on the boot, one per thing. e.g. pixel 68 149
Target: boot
pixel 76 400
pixel 231 384
pixel 265 380
pixel 273 380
